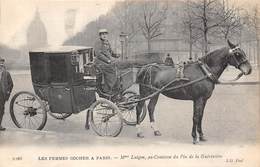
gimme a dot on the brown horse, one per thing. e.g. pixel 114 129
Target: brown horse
pixel 209 68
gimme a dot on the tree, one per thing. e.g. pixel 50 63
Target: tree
pixel 208 16
pixel 89 35
pixel 254 23
pixel 151 16
pixel 126 15
pixel 191 34
pixel 232 22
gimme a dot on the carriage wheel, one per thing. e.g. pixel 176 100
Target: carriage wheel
pixel 59 115
pixel 105 118
pixel 28 111
pixel 129 112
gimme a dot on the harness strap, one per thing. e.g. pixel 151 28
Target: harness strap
pixel 212 77
pixel 205 68
pixel 164 88
pixel 206 71
pixel 186 84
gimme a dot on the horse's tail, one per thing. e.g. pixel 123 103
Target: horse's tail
pixel 145 73
pixel 141 75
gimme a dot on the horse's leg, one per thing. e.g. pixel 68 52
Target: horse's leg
pixel 198 105
pixel 139 109
pixel 151 108
pixel 199 129
pixel 87 120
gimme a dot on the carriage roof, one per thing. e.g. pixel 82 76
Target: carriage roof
pixel 60 49
pixel 56 64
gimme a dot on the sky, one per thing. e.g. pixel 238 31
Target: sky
pixel 16 16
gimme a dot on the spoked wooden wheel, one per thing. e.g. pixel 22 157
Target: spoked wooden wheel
pixel 129 111
pixel 105 119
pixel 28 111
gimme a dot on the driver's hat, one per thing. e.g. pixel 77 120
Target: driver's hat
pixel 2 61
pixel 102 31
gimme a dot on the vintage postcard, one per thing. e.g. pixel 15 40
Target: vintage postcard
pixel 129 83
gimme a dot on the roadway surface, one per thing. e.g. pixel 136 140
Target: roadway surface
pixel 231 124
pixel 231 116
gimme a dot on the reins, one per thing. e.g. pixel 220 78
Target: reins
pixel 231 80
pixel 206 71
pixel 214 79
pixel 164 88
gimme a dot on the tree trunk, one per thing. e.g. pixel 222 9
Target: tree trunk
pixel 205 26
pixel 258 52
pixel 149 45
pixel 190 54
pixel 205 43
pixel 126 49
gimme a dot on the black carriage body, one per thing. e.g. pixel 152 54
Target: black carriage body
pixel 58 77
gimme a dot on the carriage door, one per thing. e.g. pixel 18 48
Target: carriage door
pixel 83 95
pixel 60 99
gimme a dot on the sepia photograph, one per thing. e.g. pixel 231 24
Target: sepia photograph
pixel 129 83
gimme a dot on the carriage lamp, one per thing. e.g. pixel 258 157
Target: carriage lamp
pixel 123 36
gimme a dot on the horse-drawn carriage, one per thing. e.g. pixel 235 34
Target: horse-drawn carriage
pixel 66 82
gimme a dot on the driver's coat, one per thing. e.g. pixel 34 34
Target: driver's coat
pixel 104 54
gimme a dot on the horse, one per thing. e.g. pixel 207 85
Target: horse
pixel 202 76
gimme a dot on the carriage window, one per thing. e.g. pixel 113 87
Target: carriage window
pixel 91 55
pixel 88 56
pixel 78 62
pixel 80 59
pixel 81 63
pixel 58 68
pixel 40 68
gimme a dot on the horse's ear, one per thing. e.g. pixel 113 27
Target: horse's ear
pixel 230 44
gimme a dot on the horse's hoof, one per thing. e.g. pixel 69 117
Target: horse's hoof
pixel 140 135
pixel 157 133
pixel 203 139
pixel 195 141
pixel 86 127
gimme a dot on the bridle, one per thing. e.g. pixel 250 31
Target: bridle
pixel 233 53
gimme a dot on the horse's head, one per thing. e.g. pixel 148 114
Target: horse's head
pixel 238 59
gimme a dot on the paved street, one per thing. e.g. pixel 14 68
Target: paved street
pixel 231 116
pixel 231 124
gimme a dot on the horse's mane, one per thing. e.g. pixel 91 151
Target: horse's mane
pixel 213 54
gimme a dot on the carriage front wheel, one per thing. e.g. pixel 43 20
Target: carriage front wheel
pixel 28 111
pixel 129 111
pixel 105 118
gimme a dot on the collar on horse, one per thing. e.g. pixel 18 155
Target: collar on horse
pixel 206 69
pixel 212 77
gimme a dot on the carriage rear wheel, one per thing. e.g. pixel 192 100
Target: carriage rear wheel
pixel 105 118
pixel 28 111
pixel 129 111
